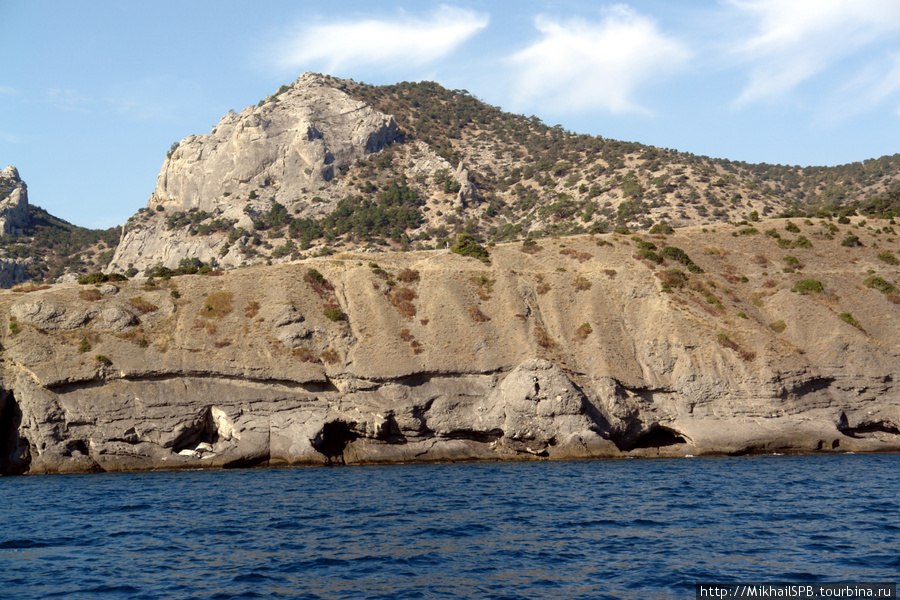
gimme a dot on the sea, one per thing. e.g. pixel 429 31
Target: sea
pixel 601 529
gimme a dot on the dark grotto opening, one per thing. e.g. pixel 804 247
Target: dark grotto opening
pixel 333 440
pixel 15 454
pixel 202 430
pixel 657 438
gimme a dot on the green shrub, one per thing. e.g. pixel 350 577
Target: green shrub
pixel 789 226
pixel 778 326
pixel 848 318
pixel 801 242
pixel 313 276
pixel 679 255
pixel 84 346
pixel 885 287
pixel 467 246
pixel 14 328
pixel 103 360
pixel 792 261
pixel 888 258
pixel 335 314
pixel 851 241
pixel 662 228
pixel 93 278
pixel 647 254
pixel 748 231
pixel 807 286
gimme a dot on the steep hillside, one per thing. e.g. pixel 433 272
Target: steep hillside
pixel 325 165
pixel 772 337
pixel 36 246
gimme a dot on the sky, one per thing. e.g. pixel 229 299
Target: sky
pixel 93 93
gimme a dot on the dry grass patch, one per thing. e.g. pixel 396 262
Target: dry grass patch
pixel 477 315
pixel 581 284
pixel 330 356
pixel 251 309
pixel 543 338
pixel 484 286
pixel 25 288
pixel 402 300
pixel 90 295
pixel 583 331
pixel 217 305
pixel 408 275
pixel 142 306
pixel 304 354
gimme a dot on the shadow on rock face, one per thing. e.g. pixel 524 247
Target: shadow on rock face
pixel 15 454
pixel 333 440
pixel 658 437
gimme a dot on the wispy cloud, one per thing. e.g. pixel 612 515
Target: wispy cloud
pixel 68 99
pixel 408 40
pixel 794 41
pixel 578 64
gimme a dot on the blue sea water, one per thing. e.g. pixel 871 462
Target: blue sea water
pixel 625 529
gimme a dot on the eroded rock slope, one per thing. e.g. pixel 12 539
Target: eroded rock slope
pixel 575 347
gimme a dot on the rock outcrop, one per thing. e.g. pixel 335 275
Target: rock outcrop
pixel 289 149
pixel 294 149
pixel 572 350
pixel 13 202
pixel 13 220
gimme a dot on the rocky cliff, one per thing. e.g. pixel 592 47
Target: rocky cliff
pixel 293 150
pixel 723 341
pixel 13 220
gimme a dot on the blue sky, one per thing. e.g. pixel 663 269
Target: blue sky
pixel 92 94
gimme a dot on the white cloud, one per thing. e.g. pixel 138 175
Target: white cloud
pixel 794 40
pixel 579 65
pixel 408 41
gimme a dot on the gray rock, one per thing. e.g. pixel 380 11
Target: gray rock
pixel 53 316
pixel 285 151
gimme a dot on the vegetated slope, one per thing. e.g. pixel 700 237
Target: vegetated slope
pixel 779 336
pixel 38 246
pixel 520 162
pixel 58 247
pixel 449 164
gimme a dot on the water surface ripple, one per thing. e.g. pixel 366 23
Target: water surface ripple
pixel 627 529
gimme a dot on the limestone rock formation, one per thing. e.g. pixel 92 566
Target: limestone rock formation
pixel 567 349
pixel 13 202
pixel 13 220
pixel 289 149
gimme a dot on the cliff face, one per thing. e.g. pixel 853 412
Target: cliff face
pixel 289 149
pixel 13 220
pixel 565 349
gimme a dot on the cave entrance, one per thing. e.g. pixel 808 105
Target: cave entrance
pixel 15 454
pixel 203 430
pixel 333 440
pixel 659 437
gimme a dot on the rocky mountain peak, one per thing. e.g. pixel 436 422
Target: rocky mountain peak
pixel 289 149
